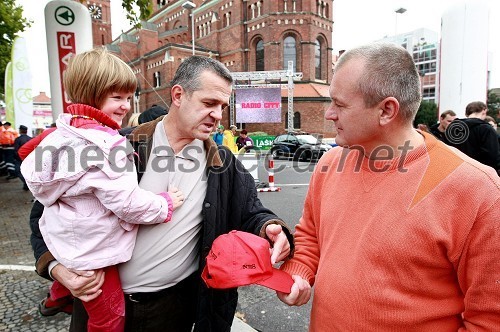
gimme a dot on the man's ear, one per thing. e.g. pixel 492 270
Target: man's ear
pixel 388 110
pixel 176 93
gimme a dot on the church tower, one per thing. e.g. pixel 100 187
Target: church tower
pixel 100 12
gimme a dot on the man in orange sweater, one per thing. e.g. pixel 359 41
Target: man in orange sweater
pixel 399 231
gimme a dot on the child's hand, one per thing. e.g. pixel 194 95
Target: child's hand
pixel 177 197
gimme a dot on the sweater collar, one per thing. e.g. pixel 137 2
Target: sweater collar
pixel 90 115
pixel 409 155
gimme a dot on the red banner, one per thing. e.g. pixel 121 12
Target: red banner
pixel 66 47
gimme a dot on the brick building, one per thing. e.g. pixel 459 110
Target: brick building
pixel 245 35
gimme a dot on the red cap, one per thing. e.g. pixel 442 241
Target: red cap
pixel 240 259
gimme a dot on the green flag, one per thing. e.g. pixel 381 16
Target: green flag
pixel 9 98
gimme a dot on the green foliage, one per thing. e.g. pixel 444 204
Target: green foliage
pixel 12 23
pixel 145 10
pixel 493 104
pixel 137 10
pixel 427 114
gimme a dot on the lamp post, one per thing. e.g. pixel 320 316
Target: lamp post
pixel 398 11
pixel 190 6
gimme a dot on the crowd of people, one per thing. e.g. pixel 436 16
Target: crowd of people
pixel 399 229
pixel 229 138
pixel 10 143
pixel 475 135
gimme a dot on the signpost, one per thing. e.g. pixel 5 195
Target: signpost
pixel 69 31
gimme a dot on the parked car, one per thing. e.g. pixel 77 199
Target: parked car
pixel 298 146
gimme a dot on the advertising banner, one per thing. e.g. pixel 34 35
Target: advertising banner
pixel 262 142
pixel 21 86
pixel 258 105
pixel 68 29
pixel 9 97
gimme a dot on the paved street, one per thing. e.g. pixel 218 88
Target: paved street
pixel 20 287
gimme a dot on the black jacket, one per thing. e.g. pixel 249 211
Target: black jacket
pixel 18 142
pixel 477 139
pixel 231 203
pixel 437 133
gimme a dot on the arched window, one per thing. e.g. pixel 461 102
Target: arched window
pixel 289 53
pixel 259 56
pixel 296 120
pixel 317 60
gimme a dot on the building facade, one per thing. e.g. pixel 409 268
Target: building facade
pixel 245 35
pixel 42 112
pixel 100 13
pixel 423 44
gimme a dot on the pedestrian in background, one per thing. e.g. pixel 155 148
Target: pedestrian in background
pixel 244 142
pixel 219 135
pixel 96 196
pixel 439 129
pixel 152 113
pixel 493 123
pixel 399 231
pixel 18 142
pixel 7 137
pixel 3 166
pixel 475 137
pixel 229 139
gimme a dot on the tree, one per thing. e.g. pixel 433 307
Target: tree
pixel 144 8
pixel 427 114
pixel 493 104
pixel 12 23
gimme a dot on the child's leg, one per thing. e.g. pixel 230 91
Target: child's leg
pixel 58 291
pixel 107 311
pixel 59 299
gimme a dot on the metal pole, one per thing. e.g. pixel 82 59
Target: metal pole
pixel 192 29
pixel 290 95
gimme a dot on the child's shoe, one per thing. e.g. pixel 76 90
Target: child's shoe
pixel 49 307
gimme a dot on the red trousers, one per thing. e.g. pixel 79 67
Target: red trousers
pixel 107 311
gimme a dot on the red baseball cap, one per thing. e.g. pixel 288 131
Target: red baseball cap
pixel 240 259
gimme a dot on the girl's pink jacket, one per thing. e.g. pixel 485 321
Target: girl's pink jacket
pixel 87 181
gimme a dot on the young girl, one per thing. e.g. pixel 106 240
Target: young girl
pixel 84 175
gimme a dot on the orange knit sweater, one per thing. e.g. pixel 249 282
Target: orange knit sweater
pixel 413 248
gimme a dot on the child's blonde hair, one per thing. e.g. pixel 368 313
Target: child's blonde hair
pixel 92 75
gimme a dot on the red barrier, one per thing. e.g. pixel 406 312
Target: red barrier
pixel 270 172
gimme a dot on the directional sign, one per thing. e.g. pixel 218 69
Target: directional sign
pixel 64 15
pixel 69 31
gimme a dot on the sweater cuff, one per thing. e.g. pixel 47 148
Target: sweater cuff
pixel 285 228
pixel 170 205
pixel 42 265
pixel 304 272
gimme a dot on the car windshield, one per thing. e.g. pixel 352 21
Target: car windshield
pixel 307 139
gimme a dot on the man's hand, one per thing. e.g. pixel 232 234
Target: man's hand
pixel 281 247
pixel 300 293
pixel 85 285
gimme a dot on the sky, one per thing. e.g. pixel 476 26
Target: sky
pixel 356 22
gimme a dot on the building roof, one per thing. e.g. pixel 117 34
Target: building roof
pixel 308 90
pixel 41 98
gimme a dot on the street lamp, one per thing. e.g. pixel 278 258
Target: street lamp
pixel 190 6
pixel 400 10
